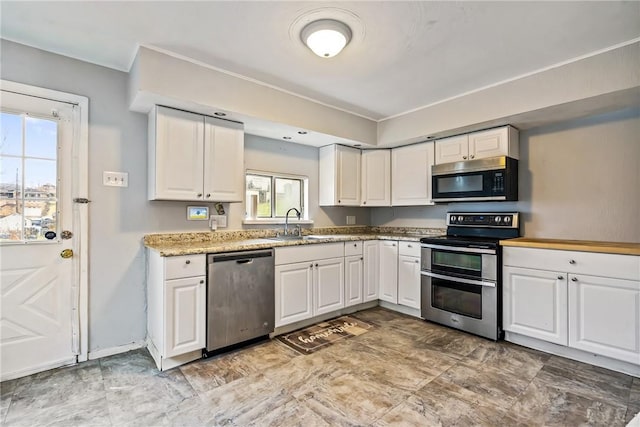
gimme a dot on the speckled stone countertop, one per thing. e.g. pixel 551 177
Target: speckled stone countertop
pixel 174 244
pixel 575 245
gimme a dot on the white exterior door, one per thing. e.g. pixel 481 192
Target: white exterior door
pixel 39 235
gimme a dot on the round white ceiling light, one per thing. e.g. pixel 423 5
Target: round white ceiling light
pixel 326 37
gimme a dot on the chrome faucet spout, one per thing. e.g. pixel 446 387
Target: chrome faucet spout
pixel 286 219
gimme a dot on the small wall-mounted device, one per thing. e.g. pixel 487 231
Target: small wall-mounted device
pixel 198 213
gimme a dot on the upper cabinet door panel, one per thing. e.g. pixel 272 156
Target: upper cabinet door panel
pixel 411 174
pixel 178 155
pixel 454 149
pixel 348 176
pixel 376 178
pixel 494 142
pixel 224 163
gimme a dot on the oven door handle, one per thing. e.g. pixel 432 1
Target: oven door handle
pixel 459 279
pixel 459 249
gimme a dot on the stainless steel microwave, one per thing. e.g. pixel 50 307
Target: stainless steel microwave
pixel 491 179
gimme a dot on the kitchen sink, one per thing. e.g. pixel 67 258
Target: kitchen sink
pixel 286 238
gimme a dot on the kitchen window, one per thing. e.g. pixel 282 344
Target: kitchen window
pixel 269 196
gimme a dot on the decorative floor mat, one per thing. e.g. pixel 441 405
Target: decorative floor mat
pixel 324 334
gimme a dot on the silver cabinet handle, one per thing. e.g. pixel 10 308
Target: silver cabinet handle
pixel 560 278
pixel 472 156
pixel 201 282
pixel 339 201
pixel 417 261
pixel 199 194
pixel 187 261
pixel 311 266
pixel 572 261
pixel 208 195
pixel 393 244
pixel 409 246
pixel 364 203
pixel 574 279
pixel 316 264
pixel 361 259
pixel 464 157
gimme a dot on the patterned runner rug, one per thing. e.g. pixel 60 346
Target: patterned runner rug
pixel 324 334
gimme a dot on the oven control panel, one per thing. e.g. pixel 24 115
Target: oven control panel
pixel 474 219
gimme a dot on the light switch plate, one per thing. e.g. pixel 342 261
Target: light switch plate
pixel 115 179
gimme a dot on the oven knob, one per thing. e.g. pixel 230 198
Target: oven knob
pixel 460 218
pixel 498 219
pixel 507 219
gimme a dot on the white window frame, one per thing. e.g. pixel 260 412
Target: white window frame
pixel 304 217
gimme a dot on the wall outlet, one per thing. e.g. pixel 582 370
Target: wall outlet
pixel 351 219
pixel 115 179
pixel 221 220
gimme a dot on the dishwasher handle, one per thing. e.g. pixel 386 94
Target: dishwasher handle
pixel 244 256
pixel 244 261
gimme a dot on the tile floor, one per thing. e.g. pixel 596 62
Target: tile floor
pixel 403 372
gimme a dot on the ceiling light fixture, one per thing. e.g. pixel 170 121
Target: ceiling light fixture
pixel 326 37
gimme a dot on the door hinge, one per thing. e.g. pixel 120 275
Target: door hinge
pixel 81 200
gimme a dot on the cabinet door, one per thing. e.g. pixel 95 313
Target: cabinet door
pixel 604 316
pixel 223 164
pixel 348 168
pixel 179 149
pixel 294 287
pixel 454 149
pixel 376 178
pixel 371 270
pixel 409 281
pixel 489 143
pixel 389 271
pixel 535 304
pixel 353 267
pixel 329 285
pixel 411 175
pixel 184 315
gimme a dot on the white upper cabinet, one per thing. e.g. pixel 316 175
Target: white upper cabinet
pixel 339 176
pixel 478 145
pixel 411 174
pixel 192 158
pixel 224 163
pixel 376 178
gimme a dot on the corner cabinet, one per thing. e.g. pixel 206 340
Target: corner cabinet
pixel 194 157
pixel 339 176
pixel 583 300
pixel 411 174
pixel 176 314
pixel 501 141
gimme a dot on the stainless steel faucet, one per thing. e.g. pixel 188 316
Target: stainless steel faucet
pixel 286 221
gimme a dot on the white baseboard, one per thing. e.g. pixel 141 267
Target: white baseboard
pixel 415 312
pixel 104 352
pixel 35 370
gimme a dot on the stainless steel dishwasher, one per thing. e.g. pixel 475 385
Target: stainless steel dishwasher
pixel 240 297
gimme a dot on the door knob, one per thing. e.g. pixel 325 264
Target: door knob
pixel 66 253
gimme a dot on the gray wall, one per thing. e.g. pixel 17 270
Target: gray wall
pixel 578 180
pixel 120 217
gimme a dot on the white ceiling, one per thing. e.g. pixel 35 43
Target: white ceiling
pixel 404 55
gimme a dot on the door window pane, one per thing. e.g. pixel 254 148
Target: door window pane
pixel 287 195
pixel 28 181
pixel 41 137
pixel 11 134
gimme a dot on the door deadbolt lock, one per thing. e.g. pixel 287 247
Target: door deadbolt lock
pixel 66 253
pixel 66 234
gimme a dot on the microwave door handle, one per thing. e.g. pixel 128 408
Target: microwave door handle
pixel 458 279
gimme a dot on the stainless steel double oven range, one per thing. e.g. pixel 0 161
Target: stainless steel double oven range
pixel 461 274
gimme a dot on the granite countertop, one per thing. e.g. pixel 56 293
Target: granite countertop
pixel 575 245
pixel 175 244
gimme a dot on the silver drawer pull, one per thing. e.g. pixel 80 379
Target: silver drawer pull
pixel 574 279
pixel 187 261
pixel 572 261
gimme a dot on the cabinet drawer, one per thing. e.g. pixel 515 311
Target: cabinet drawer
pixel 311 252
pixel 592 263
pixel 352 248
pixel 185 266
pixel 409 249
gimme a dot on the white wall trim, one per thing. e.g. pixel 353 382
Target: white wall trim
pixel 105 352
pixel 81 188
pixel 34 370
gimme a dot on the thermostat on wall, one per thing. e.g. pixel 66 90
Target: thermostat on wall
pixel 197 213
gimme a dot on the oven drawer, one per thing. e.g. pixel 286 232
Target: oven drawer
pixel 409 249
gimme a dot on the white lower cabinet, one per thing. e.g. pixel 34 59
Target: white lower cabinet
pixel 604 316
pixel 353 280
pixel 176 315
pixel 597 313
pixel 371 269
pixel 309 281
pixel 409 281
pixel 535 304
pixel 294 292
pixel 389 271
